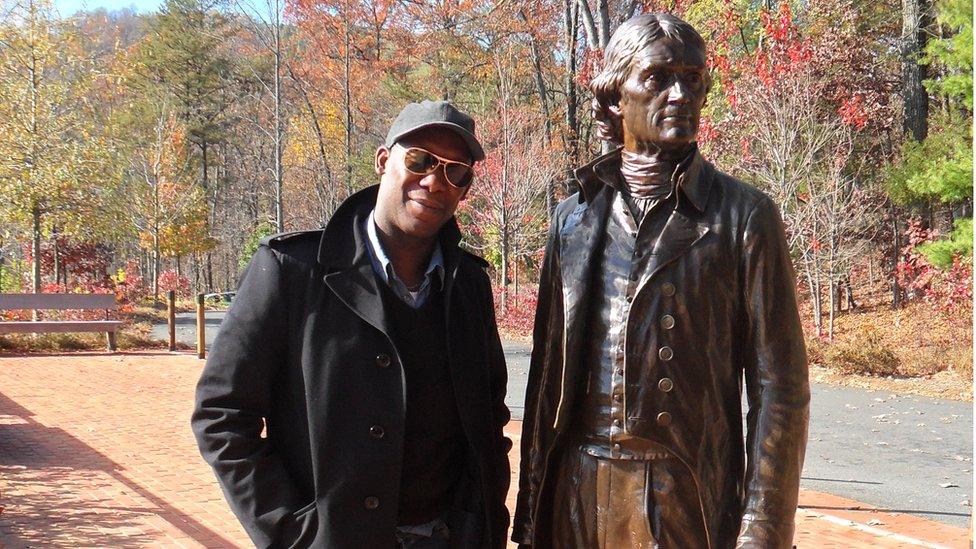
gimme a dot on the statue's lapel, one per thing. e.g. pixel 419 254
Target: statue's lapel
pixel 581 241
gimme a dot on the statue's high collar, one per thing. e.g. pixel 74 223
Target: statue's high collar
pixel 605 171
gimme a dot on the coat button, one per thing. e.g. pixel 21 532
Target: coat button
pixel 667 289
pixel 665 384
pixel 667 322
pixel 664 419
pixel 665 353
pixel 383 360
pixel 376 431
pixel 372 503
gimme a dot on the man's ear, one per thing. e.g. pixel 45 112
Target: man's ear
pixel 379 161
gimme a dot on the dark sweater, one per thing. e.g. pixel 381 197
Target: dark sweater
pixel 433 446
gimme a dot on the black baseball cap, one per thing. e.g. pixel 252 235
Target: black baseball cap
pixel 435 114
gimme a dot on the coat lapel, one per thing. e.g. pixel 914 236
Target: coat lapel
pixel 357 288
pixel 349 272
pixel 686 226
pixel 680 233
pixel 581 242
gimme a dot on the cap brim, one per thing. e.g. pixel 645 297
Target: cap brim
pixel 477 152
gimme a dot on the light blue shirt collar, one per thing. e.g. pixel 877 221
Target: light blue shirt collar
pixel 383 267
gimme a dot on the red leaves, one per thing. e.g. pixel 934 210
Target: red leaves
pixel 951 291
pixel 707 132
pixel 589 67
pixel 520 313
pixel 778 28
pixel 170 280
pixel 852 111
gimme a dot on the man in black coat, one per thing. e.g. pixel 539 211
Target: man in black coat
pixel 355 395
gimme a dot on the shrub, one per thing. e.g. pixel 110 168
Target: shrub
pixel 866 354
pixel 520 315
pixel 816 349
pixel 169 280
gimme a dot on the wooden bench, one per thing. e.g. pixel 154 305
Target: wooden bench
pixel 61 302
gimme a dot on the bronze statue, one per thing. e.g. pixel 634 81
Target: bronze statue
pixel 665 284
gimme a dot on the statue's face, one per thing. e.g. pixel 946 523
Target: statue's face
pixel 662 97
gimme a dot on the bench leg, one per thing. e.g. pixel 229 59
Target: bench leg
pixel 111 341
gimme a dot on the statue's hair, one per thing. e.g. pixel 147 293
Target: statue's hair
pixel 631 37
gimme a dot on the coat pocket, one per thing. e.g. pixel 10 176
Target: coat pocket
pixel 298 529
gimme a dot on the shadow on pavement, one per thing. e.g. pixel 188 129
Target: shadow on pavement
pixel 58 491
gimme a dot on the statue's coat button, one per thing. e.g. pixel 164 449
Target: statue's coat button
pixel 664 419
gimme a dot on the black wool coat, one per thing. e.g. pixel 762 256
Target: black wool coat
pixel 305 352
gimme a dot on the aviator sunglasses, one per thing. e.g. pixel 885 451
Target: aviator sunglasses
pixel 422 162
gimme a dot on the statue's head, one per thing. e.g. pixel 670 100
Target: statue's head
pixel 653 83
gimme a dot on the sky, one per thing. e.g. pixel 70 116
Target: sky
pixel 68 7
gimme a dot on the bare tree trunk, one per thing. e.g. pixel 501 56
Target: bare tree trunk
pixel 504 211
pixel 849 293
pixel 56 251
pixel 319 135
pixel 915 21
pixel 210 270
pixel 347 102
pixel 515 279
pixel 814 286
pixel 895 257
pixel 155 266
pixel 36 250
pixel 544 104
pixel 571 23
pixel 34 87
pixel 204 150
pixel 832 289
pixel 603 23
pixel 279 128
pixel 589 25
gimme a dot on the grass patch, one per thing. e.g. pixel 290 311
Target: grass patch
pixel 132 336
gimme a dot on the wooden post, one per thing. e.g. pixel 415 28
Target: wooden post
pixel 201 329
pixel 171 318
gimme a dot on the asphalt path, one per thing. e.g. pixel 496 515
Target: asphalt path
pixel 900 453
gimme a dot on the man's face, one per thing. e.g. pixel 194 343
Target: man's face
pixel 417 206
pixel 662 97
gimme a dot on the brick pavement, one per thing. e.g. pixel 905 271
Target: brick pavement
pixel 96 451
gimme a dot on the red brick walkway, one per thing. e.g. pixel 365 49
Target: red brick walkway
pixel 96 450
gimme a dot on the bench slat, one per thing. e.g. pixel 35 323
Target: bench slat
pixel 50 326
pixel 57 301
